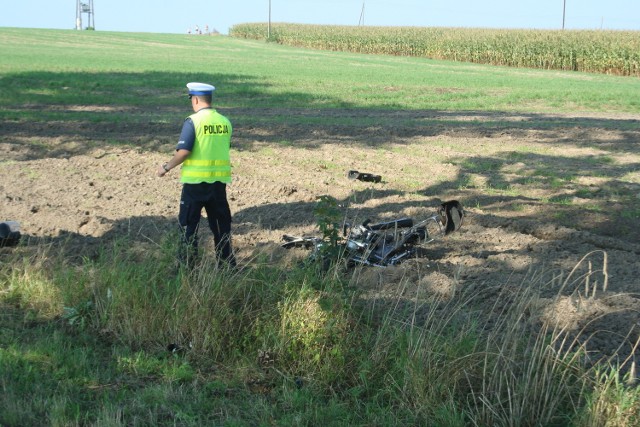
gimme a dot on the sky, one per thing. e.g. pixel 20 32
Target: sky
pixel 164 16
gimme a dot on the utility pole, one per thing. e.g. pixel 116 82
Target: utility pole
pixel 361 21
pixel 269 25
pixel 564 10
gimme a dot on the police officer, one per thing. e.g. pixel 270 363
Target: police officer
pixel 203 152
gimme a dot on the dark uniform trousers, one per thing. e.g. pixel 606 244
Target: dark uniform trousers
pixel 213 198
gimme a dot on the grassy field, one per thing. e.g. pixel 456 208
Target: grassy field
pixel 84 339
pixel 116 69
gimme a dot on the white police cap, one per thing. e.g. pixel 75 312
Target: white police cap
pixel 200 89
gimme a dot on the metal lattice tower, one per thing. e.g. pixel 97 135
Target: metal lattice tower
pixel 85 8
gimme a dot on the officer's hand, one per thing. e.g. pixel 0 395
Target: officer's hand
pixel 161 171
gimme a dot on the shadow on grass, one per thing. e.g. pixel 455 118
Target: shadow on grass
pixel 50 115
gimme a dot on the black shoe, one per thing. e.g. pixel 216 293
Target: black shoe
pixel 362 176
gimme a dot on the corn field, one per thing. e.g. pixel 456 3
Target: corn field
pixel 593 51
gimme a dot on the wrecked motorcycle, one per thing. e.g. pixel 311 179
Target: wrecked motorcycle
pixel 386 243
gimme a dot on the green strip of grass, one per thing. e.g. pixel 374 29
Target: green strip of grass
pixel 150 70
pixel 89 344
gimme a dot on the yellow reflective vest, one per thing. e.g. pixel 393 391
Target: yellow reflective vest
pixel 209 159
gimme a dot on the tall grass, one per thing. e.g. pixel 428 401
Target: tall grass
pixel 609 52
pixel 122 338
pixel 134 343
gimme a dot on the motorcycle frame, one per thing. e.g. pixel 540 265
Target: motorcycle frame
pixel 387 243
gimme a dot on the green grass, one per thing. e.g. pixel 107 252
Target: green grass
pixel 148 70
pixel 85 342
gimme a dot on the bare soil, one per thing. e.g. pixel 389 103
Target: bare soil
pixel 541 192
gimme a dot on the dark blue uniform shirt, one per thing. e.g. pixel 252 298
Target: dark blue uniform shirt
pixel 188 134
